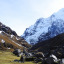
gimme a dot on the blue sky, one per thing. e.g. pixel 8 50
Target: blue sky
pixel 20 14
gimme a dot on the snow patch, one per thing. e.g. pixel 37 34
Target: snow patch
pixel 12 36
pixel 17 38
pixel 0 32
pixel 3 41
pixel 8 48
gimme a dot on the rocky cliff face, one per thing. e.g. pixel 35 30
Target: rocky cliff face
pixel 45 28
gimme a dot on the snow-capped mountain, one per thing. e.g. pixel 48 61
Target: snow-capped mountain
pixel 45 28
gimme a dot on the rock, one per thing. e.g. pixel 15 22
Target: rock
pixel 22 58
pixel 17 52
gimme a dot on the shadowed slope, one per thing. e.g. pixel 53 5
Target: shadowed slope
pixel 51 44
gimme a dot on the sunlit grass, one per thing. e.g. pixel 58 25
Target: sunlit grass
pixel 8 58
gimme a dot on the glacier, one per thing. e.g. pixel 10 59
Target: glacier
pixel 45 28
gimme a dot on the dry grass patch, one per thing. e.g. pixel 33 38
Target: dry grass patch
pixel 8 57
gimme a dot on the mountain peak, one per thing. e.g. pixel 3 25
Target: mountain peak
pixel 45 28
pixel 60 14
pixel 62 10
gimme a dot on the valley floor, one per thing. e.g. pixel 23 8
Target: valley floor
pixel 8 58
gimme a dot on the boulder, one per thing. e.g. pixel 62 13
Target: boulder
pixel 17 52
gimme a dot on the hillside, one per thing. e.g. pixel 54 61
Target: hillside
pixel 9 40
pixel 55 43
pixel 8 58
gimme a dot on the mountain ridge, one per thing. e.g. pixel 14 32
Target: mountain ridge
pixel 54 43
pixel 9 40
pixel 45 28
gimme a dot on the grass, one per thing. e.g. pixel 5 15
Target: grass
pixel 7 40
pixel 8 58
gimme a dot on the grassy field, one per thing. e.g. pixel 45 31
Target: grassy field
pixel 8 57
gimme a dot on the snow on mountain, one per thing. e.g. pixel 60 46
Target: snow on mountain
pixel 45 28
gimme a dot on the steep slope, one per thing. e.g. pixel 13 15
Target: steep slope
pixel 9 40
pixel 51 44
pixel 45 28
pixel 7 30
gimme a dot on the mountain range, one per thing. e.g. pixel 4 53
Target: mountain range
pixel 45 28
